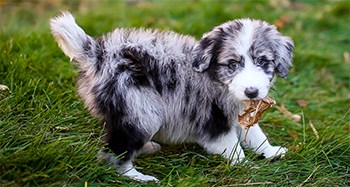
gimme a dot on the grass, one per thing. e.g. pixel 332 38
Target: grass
pixel 47 138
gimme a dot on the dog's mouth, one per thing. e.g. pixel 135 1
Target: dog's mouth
pixel 253 110
pixel 253 99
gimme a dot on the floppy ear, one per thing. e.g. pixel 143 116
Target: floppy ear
pixel 204 54
pixel 284 55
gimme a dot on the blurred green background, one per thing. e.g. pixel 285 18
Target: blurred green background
pixel 47 138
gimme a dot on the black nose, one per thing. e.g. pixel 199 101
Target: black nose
pixel 251 92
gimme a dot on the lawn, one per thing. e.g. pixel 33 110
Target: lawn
pixel 48 138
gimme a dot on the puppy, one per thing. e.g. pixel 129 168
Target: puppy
pixel 159 85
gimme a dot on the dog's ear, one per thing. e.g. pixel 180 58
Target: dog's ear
pixel 208 49
pixel 284 55
pixel 203 54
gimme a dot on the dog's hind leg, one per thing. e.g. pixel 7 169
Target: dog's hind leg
pixel 130 127
pixel 126 169
pixel 125 141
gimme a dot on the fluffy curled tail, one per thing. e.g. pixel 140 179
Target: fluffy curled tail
pixel 73 41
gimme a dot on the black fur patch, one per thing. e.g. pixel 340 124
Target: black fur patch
pixel 135 66
pixel 186 97
pixel 188 90
pixel 154 73
pixel 283 72
pixel 172 82
pixel 147 67
pixel 203 44
pixel 144 69
pixel 154 41
pixel 215 51
pixel 100 53
pixel 81 74
pixel 236 27
pixel 289 48
pixel 284 63
pixel 217 124
pixel 122 137
pixel 193 115
pixel 88 48
pixel 265 64
pixel 268 68
pixel 108 97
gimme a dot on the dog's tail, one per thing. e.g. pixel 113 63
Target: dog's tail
pixel 73 41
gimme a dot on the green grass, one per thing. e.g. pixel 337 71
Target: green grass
pixel 47 138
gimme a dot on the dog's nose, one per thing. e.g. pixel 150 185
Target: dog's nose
pixel 251 92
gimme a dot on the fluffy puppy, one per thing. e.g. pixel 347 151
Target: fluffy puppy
pixel 159 85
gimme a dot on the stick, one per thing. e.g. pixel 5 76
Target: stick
pixel 314 130
pixel 245 136
pixel 308 178
pixel 257 109
pixel 251 184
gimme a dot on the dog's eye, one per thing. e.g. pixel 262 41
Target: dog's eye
pixel 263 61
pixel 233 64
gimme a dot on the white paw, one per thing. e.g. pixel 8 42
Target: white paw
pixel 150 147
pixel 146 178
pixel 134 174
pixel 275 151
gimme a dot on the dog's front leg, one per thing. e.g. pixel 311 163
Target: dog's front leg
pixel 258 142
pixel 227 145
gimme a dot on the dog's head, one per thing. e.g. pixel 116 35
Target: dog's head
pixel 245 55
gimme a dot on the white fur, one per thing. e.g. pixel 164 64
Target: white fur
pixel 245 38
pixel 228 146
pixel 64 29
pixel 128 170
pixel 258 142
pixel 251 76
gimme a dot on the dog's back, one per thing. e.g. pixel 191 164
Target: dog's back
pixel 139 79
